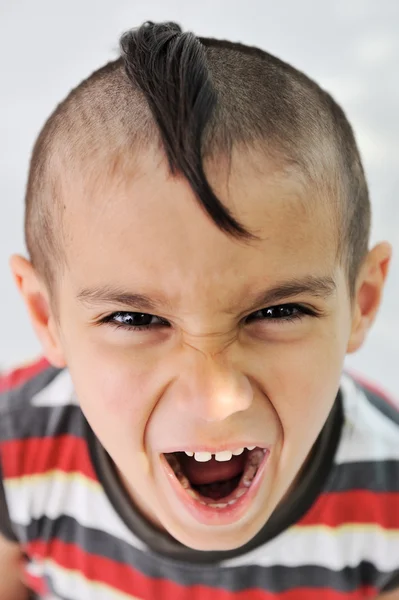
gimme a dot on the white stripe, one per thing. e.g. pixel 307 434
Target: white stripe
pixel 36 569
pixel 367 434
pixel 59 392
pixel 57 494
pixel 332 548
pixel 68 582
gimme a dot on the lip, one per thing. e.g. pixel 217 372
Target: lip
pixel 207 515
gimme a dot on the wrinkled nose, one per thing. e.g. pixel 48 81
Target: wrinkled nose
pixel 210 387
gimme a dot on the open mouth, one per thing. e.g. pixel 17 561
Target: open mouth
pixel 217 480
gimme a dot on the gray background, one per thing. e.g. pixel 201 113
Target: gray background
pixel 351 47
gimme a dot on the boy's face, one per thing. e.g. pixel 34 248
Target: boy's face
pixel 214 370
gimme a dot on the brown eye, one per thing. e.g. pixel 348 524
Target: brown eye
pixel 131 319
pixel 134 321
pixel 283 312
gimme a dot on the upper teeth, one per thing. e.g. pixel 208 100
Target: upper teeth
pixel 202 456
pixel 223 456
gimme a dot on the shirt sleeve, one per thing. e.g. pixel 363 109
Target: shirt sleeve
pixel 6 529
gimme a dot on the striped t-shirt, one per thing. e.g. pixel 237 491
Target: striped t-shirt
pixel 336 537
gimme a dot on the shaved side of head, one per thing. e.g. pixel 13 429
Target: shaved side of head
pixel 195 99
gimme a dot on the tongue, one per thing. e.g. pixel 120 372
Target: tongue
pixel 211 471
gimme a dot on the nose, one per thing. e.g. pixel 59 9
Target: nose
pixel 210 387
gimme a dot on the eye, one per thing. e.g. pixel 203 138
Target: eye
pixel 280 313
pixel 134 321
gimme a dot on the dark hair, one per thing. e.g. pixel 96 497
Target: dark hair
pixel 197 97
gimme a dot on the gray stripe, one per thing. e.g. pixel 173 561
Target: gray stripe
pixel 29 421
pixel 380 403
pixel 6 528
pixel 275 579
pixel 392 583
pixel 19 419
pixel 21 395
pixel 16 416
pixel 381 476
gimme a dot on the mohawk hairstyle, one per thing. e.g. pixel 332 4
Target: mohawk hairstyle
pixel 196 98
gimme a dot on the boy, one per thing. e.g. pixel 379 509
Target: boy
pixel 197 221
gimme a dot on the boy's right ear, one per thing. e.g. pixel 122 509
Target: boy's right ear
pixel 37 301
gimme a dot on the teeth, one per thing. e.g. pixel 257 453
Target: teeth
pixel 238 451
pixel 249 475
pixel 218 505
pixel 193 494
pixel 202 456
pixel 256 457
pixel 240 493
pixel 184 482
pixel 223 456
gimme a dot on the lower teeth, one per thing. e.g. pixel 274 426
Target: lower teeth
pixel 249 476
pixel 240 493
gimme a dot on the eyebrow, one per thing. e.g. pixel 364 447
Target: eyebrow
pixel 109 295
pixel 321 287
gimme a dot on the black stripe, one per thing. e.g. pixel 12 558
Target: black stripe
pixel 275 579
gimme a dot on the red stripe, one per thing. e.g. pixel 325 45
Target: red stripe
pixel 130 581
pixel 35 456
pixel 21 375
pixel 355 507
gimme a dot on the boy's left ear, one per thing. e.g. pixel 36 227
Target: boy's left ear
pixel 368 293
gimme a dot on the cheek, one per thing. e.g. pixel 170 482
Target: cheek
pixel 116 392
pixel 306 384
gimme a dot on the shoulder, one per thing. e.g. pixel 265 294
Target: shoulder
pixel 31 400
pixel 353 527
pixel 18 386
pixel 379 399
pixel 14 378
pixel 371 424
pixel 364 483
pixel 46 471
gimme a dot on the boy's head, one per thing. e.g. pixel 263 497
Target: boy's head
pixel 197 220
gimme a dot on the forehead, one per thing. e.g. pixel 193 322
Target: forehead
pixel 146 228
